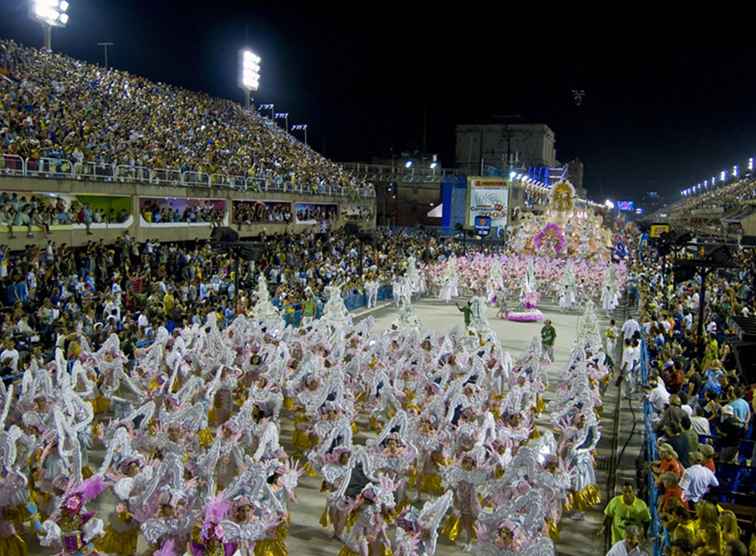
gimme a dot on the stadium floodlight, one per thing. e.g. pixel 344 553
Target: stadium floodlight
pixel 282 116
pixel 408 164
pixel 750 164
pixel 706 183
pixel 249 73
pixel 722 175
pixel 50 13
pixel 300 127
pixel 433 165
pixel 735 171
pixel 609 204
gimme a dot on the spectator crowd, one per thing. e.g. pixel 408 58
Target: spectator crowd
pixel 53 106
pixel 700 406
pixel 159 211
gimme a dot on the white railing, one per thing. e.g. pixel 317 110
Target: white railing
pixel 12 165
pixel 60 169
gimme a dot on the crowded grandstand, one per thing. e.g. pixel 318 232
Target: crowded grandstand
pixel 210 346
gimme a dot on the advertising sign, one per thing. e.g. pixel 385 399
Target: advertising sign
pixel 487 197
pixel 482 225
pixel 655 231
pixel 626 206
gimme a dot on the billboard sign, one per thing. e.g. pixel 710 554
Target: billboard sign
pixel 487 197
pixel 483 225
pixel 655 231
pixel 626 206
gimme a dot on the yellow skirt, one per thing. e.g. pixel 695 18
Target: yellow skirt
pixel 325 518
pixel 206 438
pixel 13 546
pixel 122 544
pixel 586 498
pixel 430 483
pixel 540 405
pixel 275 546
pixel 289 403
pixel 375 424
pixel 100 405
pixel 553 530
pixel 450 530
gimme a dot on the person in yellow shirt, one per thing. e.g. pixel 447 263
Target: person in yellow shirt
pixel 169 302
pixel 623 510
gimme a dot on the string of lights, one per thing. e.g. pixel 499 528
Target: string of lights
pixel 724 178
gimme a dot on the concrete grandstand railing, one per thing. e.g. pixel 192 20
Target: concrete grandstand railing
pixel 64 169
pixel 386 171
pixel 360 211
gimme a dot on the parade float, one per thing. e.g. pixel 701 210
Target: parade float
pixel 563 230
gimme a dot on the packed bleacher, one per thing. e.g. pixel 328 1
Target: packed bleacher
pixel 698 412
pixel 728 197
pixel 67 116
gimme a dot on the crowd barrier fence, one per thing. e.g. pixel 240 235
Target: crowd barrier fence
pixel 65 169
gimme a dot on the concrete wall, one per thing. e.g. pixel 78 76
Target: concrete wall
pixel 76 235
pixel 535 143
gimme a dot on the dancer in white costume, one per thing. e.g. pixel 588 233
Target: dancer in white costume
pixel 264 310
pixel 609 291
pixel 568 288
pixel 450 280
pixel 495 283
pixel 478 318
pixel 371 291
pixel 335 312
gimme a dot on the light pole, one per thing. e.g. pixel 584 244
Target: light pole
pixel 105 46
pixel 301 127
pixel 283 116
pixel 50 13
pixel 249 74
pixel 270 107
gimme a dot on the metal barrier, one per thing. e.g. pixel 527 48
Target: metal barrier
pixel 12 165
pixel 656 530
pixel 64 168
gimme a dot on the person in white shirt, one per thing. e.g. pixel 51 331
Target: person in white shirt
pixel 10 354
pixel 697 479
pixel 631 365
pixel 700 425
pixel 658 395
pixel 630 546
pixel 630 327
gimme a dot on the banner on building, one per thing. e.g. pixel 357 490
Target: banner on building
pixel 487 197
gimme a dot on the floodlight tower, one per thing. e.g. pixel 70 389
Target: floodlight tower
pixel 50 13
pixel 249 74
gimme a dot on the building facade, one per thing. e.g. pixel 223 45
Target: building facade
pixel 525 145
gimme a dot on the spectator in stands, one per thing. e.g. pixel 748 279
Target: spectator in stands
pixel 669 462
pixel 673 435
pixel 672 493
pixel 149 130
pixel 697 479
pixel 730 432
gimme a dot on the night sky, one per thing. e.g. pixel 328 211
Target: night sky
pixel 654 117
